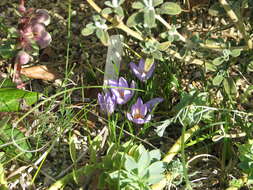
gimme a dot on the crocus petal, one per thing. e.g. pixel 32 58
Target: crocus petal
pixel 129 117
pixel 122 83
pixel 133 85
pixel 134 68
pixel 22 58
pixel 151 103
pixel 150 72
pixel 101 102
pixel 107 103
pixel 141 121
pixel 141 65
pixel 111 105
pixel 143 109
pixel 122 95
pixel 112 83
pixel 42 16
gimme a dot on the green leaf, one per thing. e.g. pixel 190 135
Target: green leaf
pixel 143 162
pixel 88 30
pixel 119 11
pixel 210 67
pixel 157 2
pixel 235 52
pixel 103 36
pixel 156 172
pixel 3 181
pixel 156 168
pixel 7 83
pixel 130 163
pixel 106 11
pixel 250 67
pixel 155 155
pixel 6 132
pixel 164 45
pixel 108 3
pixel 157 55
pixel 135 19
pixel 217 80
pixel 218 61
pixel 149 18
pixel 229 86
pixel 138 5
pixel 14 99
pixel 73 155
pixel 148 63
pixel 170 8
pixel 6 51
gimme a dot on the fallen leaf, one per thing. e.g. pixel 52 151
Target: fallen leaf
pixel 40 72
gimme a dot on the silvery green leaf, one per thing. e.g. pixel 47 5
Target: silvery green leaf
pixel 157 2
pixel 135 19
pixel 130 163
pixel 217 80
pixel 121 2
pixel 250 67
pixel 155 155
pixel 161 128
pixel 218 61
pixel 88 30
pixel 149 18
pixel 155 178
pixel 143 161
pixel 108 3
pixel 138 5
pixel 170 8
pixel 106 11
pixel 119 11
pixel 235 52
pixel 157 55
pixel 103 36
pixel 156 168
pixel 229 86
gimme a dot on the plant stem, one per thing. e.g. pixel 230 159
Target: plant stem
pixel 122 26
pixel 185 171
pixel 172 153
pixel 237 21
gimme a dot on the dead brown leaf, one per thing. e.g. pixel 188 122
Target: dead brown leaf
pixel 40 72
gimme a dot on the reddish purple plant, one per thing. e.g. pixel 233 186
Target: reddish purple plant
pixel 32 33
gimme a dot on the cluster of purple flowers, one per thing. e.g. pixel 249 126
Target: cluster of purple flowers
pixel 121 92
pixel 32 32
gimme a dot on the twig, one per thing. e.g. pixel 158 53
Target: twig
pixel 238 23
pixel 122 26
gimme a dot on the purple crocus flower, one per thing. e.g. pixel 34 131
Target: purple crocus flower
pixel 140 113
pixel 107 102
pixel 121 91
pixel 141 72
